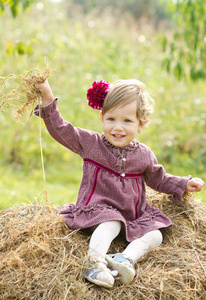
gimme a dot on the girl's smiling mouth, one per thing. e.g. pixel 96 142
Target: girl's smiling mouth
pixel 118 136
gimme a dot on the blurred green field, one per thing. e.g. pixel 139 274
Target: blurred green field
pixel 79 49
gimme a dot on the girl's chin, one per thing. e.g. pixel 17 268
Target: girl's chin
pixel 118 142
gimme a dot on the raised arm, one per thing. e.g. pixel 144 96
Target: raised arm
pixel 76 139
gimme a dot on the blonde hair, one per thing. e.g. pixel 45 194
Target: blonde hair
pixel 123 92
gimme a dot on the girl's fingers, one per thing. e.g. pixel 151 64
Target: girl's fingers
pixel 195 185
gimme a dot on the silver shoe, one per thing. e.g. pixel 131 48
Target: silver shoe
pixel 123 265
pixel 92 268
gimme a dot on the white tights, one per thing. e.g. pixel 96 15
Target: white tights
pixel 106 232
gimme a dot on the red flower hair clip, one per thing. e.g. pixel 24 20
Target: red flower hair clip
pixel 97 93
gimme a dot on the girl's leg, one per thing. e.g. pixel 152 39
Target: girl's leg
pixel 99 244
pixel 102 237
pixel 139 247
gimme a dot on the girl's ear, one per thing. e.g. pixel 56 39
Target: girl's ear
pixel 101 116
pixel 141 125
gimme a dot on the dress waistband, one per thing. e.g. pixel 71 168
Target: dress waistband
pixel 123 175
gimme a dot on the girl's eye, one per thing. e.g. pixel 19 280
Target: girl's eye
pixel 110 119
pixel 127 121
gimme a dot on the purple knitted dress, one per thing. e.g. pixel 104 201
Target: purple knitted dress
pixel 113 182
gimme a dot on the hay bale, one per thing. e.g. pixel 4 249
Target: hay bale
pixel 41 258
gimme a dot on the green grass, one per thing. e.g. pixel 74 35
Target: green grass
pixel 17 187
pixel 80 49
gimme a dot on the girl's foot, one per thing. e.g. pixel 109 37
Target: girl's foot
pixel 96 271
pixel 123 265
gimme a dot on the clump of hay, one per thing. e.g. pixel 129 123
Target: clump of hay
pixel 20 91
pixel 41 258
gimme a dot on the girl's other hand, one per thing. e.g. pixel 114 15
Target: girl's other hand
pixel 46 92
pixel 195 185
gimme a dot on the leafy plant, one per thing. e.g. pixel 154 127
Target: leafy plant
pixel 18 47
pixel 14 6
pixel 185 48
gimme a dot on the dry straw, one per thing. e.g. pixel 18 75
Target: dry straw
pixel 41 258
pixel 20 91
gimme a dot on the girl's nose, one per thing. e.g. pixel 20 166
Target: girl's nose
pixel 118 126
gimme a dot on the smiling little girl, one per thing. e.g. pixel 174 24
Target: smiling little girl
pixel 116 167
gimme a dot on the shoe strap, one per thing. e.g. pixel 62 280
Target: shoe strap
pixel 93 267
pixel 121 258
pixel 92 273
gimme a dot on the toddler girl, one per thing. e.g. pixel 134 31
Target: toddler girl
pixel 116 167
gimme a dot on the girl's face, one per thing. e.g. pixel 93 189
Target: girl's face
pixel 120 124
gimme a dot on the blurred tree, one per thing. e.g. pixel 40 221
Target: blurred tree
pixel 141 8
pixel 185 49
pixel 14 5
pixel 19 47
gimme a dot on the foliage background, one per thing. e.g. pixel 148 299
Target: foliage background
pixel 82 42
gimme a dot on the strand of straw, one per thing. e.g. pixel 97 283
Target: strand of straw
pixel 42 156
pixel 42 163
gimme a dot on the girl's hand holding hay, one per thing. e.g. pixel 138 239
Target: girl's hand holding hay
pixel 46 93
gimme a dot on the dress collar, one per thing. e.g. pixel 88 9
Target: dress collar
pixel 132 146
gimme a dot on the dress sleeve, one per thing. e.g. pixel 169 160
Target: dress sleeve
pixel 156 178
pixel 76 139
